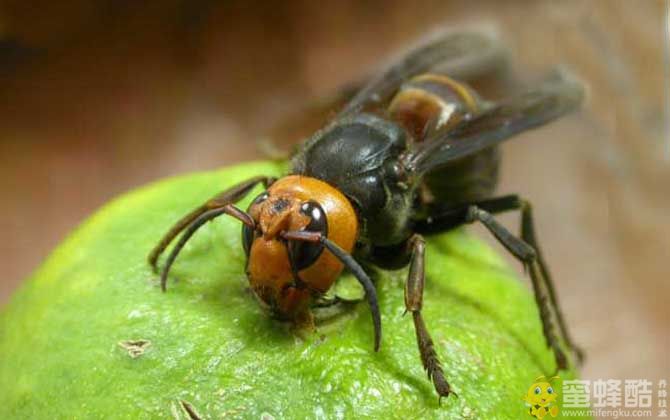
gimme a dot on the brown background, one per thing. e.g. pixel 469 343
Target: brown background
pixel 99 97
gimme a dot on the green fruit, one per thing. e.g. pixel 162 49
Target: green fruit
pixel 66 336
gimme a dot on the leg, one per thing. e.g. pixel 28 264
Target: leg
pixel 413 304
pixel 193 227
pixel 528 257
pixel 514 202
pixel 350 263
pixel 526 250
pixel 528 235
pixel 229 196
pixel 335 301
pixel 325 309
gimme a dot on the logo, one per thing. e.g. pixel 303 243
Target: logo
pixel 601 398
pixel 541 398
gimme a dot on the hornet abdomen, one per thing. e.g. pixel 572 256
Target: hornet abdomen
pixel 429 103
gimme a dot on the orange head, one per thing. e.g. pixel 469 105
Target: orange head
pixel 286 274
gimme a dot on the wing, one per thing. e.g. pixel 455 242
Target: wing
pixel 556 97
pixel 461 55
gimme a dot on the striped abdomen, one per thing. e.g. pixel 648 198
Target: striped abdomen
pixel 430 103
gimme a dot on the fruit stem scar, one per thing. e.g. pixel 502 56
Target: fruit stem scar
pixel 135 348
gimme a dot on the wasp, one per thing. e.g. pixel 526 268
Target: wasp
pixel 413 153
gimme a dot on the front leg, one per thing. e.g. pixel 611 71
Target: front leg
pixel 230 196
pixel 413 303
pixel 222 203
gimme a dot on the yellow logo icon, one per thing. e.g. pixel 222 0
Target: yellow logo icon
pixel 541 398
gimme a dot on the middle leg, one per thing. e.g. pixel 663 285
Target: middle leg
pixel 413 303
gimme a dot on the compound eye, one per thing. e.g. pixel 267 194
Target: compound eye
pixel 247 232
pixel 550 390
pixel 303 254
pixel 538 390
pixel 258 200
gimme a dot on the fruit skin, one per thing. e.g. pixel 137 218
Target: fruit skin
pixel 214 347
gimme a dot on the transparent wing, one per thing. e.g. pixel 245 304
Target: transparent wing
pixel 554 98
pixel 461 55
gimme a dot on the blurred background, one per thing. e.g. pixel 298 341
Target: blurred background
pixel 98 97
